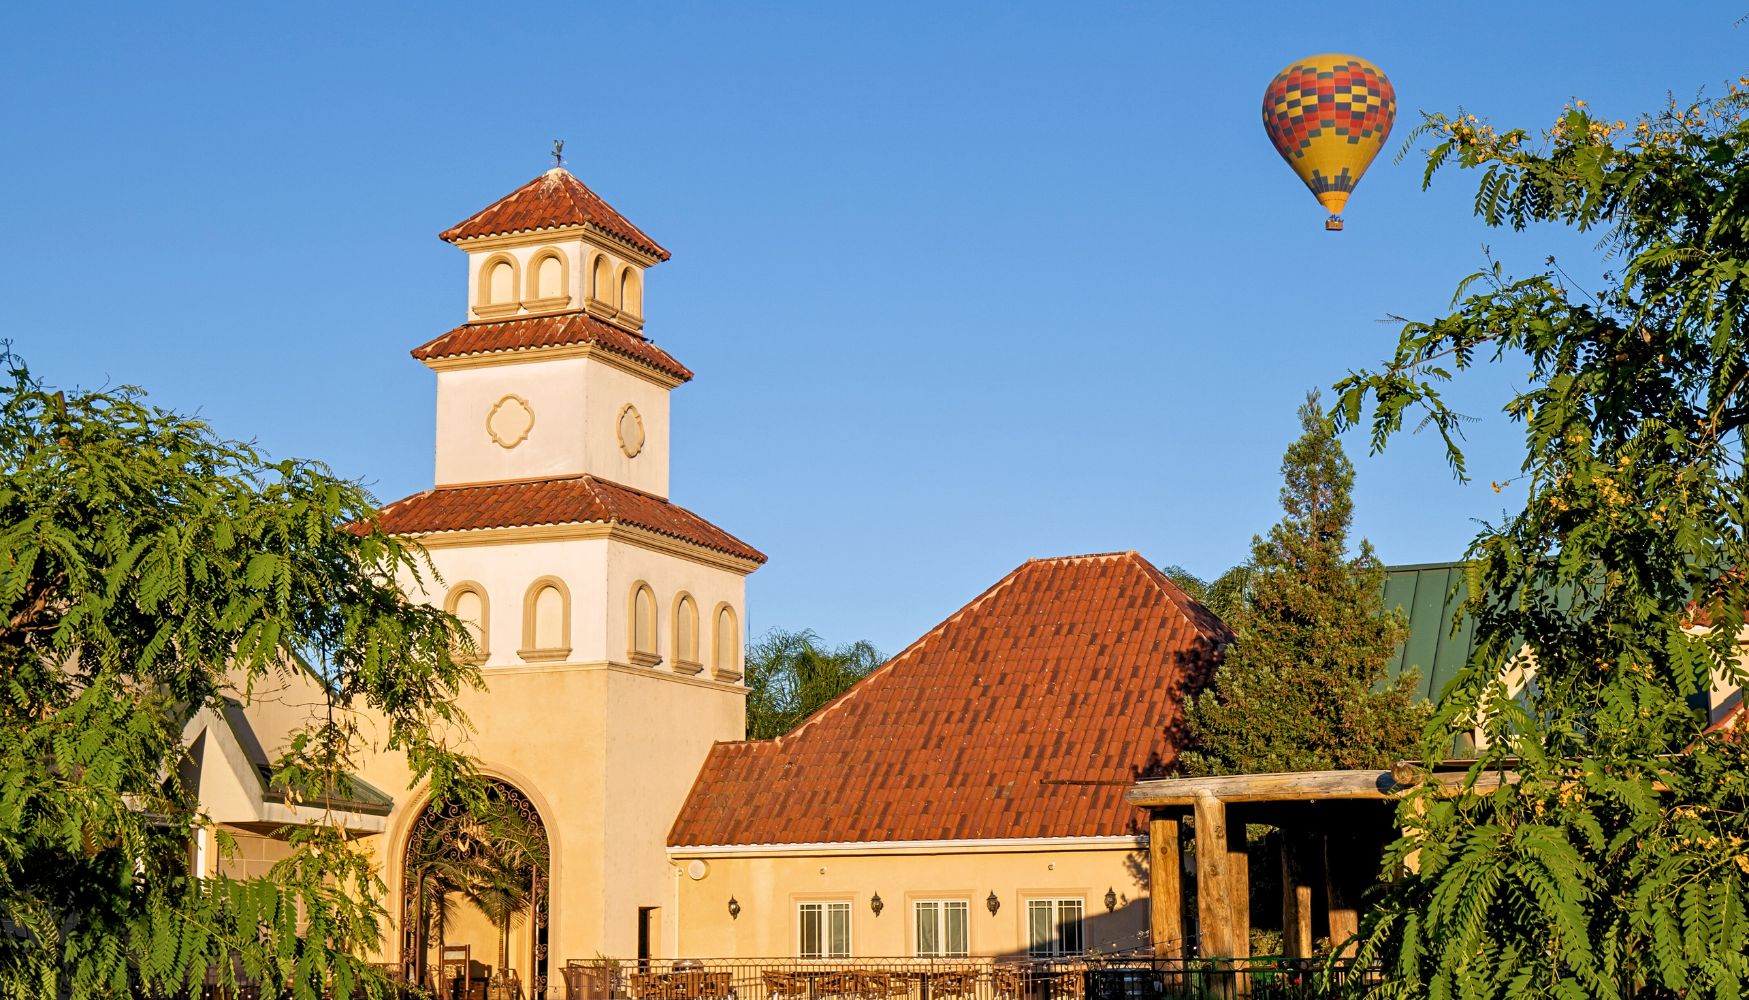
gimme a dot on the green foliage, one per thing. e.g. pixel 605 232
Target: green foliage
pixel 1304 686
pixel 148 569
pixel 486 856
pixel 1614 863
pixel 790 675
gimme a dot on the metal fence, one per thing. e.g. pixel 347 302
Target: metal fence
pixel 1104 977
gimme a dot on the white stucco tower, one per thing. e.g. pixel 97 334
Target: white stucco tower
pixel 608 619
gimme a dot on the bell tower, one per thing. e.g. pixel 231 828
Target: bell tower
pixel 607 620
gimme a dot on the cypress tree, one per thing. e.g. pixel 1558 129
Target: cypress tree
pixel 1305 686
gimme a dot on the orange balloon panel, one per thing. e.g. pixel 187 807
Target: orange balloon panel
pixel 1328 116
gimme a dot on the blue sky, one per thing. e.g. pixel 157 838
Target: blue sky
pixel 963 283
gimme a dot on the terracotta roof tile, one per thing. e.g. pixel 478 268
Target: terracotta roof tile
pixel 559 330
pixel 1026 714
pixel 555 198
pixel 569 500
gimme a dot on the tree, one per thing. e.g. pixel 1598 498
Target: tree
pixel 790 675
pixel 487 856
pixel 147 569
pixel 1613 863
pixel 1304 686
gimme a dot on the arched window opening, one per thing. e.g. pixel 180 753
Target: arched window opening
pixel 686 636
pixel 726 656
pixel 501 284
pixel 546 621
pixel 546 280
pixel 642 647
pixel 631 292
pixel 603 281
pixel 467 602
pixel 497 295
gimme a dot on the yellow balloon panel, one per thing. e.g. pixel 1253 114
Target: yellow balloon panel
pixel 1328 116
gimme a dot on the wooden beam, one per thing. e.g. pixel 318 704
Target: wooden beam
pixel 1297 869
pixel 1309 786
pixel 1214 908
pixel 1165 886
pixel 1238 884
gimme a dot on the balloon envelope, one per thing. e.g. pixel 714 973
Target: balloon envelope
pixel 1328 116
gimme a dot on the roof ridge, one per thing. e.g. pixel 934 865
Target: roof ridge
pixel 569 202
pixel 1116 554
pixel 1179 596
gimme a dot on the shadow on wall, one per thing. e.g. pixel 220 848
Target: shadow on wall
pixel 1124 928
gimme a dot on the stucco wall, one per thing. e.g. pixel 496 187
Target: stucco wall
pixel 576 403
pixel 768 890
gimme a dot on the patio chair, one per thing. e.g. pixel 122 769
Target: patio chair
pixel 784 985
pixel 870 985
pixel 1070 985
pixel 454 968
pixel 836 984
pixel 1007 983
pixel 955 984
pixel 651 986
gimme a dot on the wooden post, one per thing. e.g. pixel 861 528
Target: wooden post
pixel 1165 886
pixel 1296 892
pixel 1214 908
pixel 1342 889
pixel 1238 883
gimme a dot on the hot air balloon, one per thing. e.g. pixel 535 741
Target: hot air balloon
pixel 1328 116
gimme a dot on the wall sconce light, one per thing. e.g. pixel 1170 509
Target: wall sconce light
pixel 993 903
pixel 734 909
pixel 876 905
pixel 1110 899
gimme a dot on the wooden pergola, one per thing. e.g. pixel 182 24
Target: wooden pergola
pixel 1334 825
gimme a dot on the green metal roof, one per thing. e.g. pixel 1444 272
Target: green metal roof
pixel 1429 595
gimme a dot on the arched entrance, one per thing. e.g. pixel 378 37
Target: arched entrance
pixel 501 860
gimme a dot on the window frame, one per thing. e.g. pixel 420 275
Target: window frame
pixel 942 904
pixel 1055 948
pixel 826 908
pixel 530 651
pixel 453 599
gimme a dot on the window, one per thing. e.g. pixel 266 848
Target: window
pixel 686 635
pixel 468 602
pixel 825 929
pixel 631 293
pixel 603 284
pixel 496 295
pixel 726 654
pixel 547 280
pixel 642 646
pixel 941 928
pixel 1053 927
pixel 501 283
pixel 546 620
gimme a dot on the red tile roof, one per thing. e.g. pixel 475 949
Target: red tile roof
pixel 1028 713
pixel 553 199
pixel 559 330
pixel 569 500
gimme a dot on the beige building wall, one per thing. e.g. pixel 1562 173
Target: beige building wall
pixel 769 887
pixel 255 854
pixel 557 417
pixel 603 276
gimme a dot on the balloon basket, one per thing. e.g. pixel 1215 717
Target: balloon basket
pixel 1333 224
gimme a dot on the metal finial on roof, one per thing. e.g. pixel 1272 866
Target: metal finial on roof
pixel 558 153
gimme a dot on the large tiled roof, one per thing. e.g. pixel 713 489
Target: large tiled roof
pixel 1026 714
pixel 559 330
pixel 555 198
pixel 568 500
